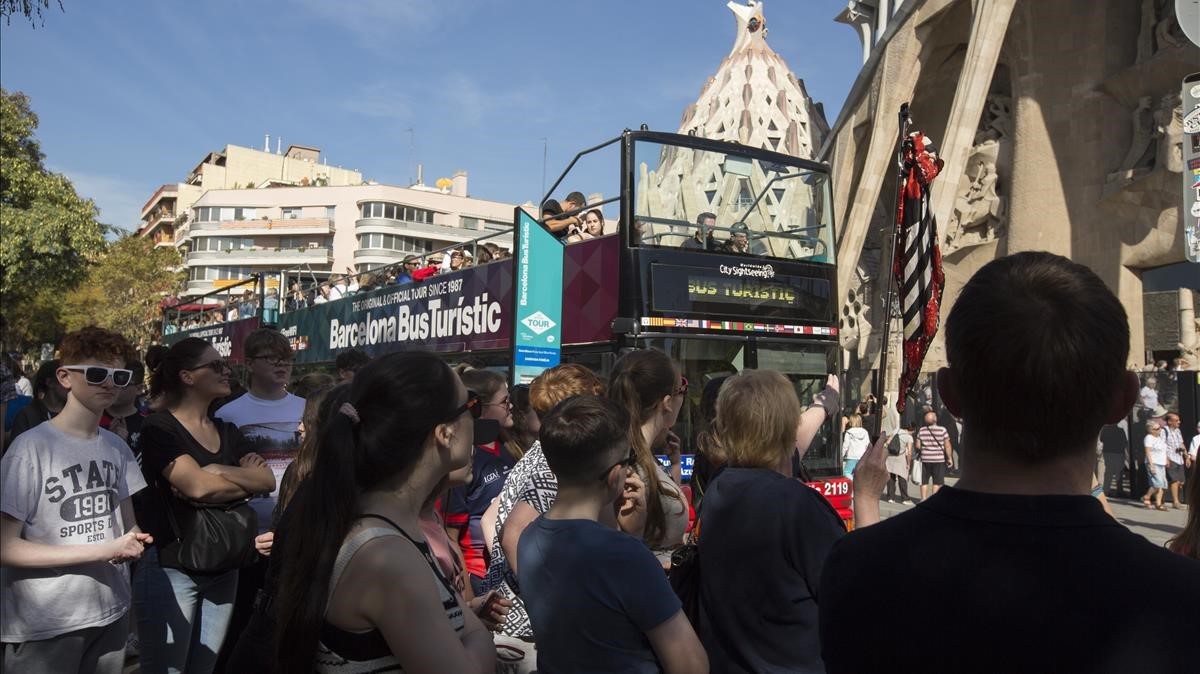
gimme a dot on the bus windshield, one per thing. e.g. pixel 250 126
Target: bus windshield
pixel 725 202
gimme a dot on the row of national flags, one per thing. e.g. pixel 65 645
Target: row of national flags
pixel 737 326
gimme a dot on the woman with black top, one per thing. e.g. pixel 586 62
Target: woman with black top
pixel 359 588
pixel 182 615
pixel 765 535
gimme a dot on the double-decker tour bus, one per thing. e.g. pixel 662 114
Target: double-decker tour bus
pixel 719 254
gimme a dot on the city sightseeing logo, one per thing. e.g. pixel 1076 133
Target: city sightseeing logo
pixel 756 270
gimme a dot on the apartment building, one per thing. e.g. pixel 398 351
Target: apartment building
pixel 163 216
pixel 233 233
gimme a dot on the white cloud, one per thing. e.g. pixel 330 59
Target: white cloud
pixel 120 201
pixel 473 103
pixel 377 24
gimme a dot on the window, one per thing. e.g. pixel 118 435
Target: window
pixel 219 243
pixel 208 214
pixel 329 212
pixel 470 223
pixel 244 213
pixel 394 242
pixel 390 211
pixel 291 213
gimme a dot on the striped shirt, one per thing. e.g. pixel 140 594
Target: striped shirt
pixel 932 443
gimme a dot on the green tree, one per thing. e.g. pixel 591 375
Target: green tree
pixel 30 8
pixel 123 290
pixel 48 233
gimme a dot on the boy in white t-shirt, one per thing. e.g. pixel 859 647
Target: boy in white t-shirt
pixel 68 528
pixel 267 414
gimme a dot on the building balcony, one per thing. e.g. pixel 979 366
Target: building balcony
pixel 166 192
pixel 263 257
pixel 279 226
pixel 377 256
pixel 156 220
pixel 419 230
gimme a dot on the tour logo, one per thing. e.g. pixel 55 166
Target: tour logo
pixel 538 322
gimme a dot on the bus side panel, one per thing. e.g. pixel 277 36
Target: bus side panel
pixel 590 290
pixel 461 311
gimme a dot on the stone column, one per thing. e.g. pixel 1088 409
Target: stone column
pixel 989 24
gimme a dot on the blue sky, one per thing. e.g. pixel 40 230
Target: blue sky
pixel 132 95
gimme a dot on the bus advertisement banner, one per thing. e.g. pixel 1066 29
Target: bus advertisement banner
pixel 226 338
pixel 460 311
pixel 537 301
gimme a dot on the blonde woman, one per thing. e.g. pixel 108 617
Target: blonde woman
pixel 855 441
pixel 765 535
pixel 1156 463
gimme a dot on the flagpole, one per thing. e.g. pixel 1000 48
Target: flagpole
pixel 880 382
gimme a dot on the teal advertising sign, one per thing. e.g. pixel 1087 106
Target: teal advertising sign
pixel 537 299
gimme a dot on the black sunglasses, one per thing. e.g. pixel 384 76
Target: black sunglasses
pixel 473 405
pixel 220 366
pixel 98 374
pixel 627 462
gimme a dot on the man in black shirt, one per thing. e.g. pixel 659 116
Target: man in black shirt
pixel 703 238
pixel 1017 568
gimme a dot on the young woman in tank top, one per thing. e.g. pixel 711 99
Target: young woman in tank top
pixel 360 590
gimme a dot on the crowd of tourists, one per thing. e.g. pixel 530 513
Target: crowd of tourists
pixel 404 514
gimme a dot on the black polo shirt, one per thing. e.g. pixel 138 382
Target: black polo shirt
pixel 974 582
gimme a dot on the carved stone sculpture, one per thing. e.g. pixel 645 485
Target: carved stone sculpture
pixel 1168 127
pixel 1139 154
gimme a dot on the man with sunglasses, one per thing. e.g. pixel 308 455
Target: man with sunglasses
pixel 68 526
pixel 596 595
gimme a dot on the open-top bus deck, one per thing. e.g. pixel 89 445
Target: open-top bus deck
pixel 718 254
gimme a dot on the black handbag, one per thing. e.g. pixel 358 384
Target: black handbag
pixel 684 575
pixel 210 537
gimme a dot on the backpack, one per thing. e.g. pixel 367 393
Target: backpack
pixel 894 447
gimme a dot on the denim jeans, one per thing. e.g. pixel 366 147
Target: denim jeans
pixel 182 617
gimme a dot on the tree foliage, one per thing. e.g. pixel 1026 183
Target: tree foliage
pixel 48 233
pixel 30 8
pixel 123 290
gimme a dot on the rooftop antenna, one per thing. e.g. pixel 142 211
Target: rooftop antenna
pixel 411 149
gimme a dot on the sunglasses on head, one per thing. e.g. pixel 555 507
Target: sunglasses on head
pixel 98 374
pixel 627 462
pixel 474 405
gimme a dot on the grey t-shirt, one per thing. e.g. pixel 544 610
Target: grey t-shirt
pixel 65 491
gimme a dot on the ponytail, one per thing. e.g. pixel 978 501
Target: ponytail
pixel 325 509
pixel 398 402
pixel 640 379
